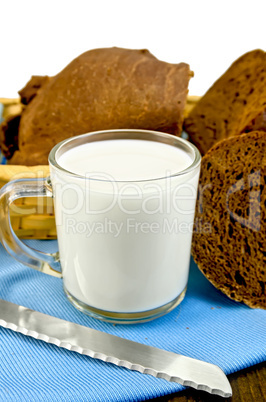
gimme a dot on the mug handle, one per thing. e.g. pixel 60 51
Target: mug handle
pixel 44 262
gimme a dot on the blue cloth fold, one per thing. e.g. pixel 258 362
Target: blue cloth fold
pixel 206 325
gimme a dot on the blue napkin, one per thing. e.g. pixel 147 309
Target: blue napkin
pixel 206 325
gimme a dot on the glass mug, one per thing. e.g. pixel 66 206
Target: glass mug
pixel 124 228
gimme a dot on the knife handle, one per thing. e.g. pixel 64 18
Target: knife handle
pixel 44 262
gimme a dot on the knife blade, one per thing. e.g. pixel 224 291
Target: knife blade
pixel 113 349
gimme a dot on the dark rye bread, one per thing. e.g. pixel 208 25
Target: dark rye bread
pixel 229 239
pixel 101 89
pixel 236 103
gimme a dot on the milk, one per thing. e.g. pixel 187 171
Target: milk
pixel 126 160
pixel 124 223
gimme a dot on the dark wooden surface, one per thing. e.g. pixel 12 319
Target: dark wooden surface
pixel 248 385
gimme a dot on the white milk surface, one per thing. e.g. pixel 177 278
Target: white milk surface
pixel 125 160
pixel 129 251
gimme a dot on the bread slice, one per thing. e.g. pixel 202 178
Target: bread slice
pixel 232 104
pixel 229 239
pixel 101 89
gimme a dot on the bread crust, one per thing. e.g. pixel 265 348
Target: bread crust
pixel 229 239
pixel 101 89
pixel 235 103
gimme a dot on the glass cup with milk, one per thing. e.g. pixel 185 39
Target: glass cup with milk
pixel 124 204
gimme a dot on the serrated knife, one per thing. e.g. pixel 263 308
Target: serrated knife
pixel 113 349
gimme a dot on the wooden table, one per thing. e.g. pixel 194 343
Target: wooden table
pixel 248 385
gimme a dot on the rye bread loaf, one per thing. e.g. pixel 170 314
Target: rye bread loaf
pixel 236 103
pixel 101 89
pixel 229 239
